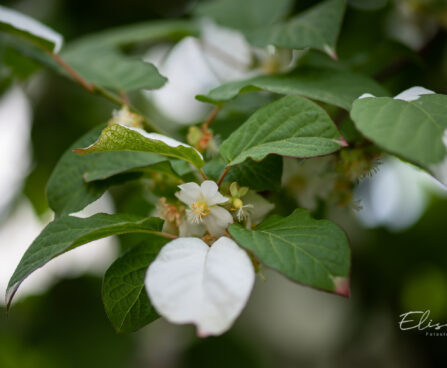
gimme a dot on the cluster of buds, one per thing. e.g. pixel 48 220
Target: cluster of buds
pixel 202 140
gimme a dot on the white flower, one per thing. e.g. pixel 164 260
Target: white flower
pixel 410 94
pixel 202 201
pixel 191 282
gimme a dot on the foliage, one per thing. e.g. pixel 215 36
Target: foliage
pixel 307 105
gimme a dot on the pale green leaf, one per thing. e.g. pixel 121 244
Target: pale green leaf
pixel 21 25
pixel 335 87
pixel 292 126
pixel 317 28
pixel 414 130
pixel 311 252
pixel 70 189
pixel 120 138
pixel 124 296
pixel 67 232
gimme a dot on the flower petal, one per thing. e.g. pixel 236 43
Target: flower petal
pixel 190 282
pixel 217 221
pixel 210 192
pixel 189 193
pixel 261 206
pixel 413 93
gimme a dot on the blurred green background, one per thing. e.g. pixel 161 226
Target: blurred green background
pixel 285 325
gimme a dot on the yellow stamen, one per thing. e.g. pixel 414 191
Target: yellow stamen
pixel 198 211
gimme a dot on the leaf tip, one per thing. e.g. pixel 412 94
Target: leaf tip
pixel 342 286
pixel 331 52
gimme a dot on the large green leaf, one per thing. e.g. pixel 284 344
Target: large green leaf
pixel 120 138
pixel 335 87
pixel 68 190
pixel 106 67
pixel 69 232
pixel 292 126
pixel 151 31
pixel 30 29
pixel 124 296
pixel 317 28
pixel 309 251
pixel 245 14
pixel 414 130
pixel 263 175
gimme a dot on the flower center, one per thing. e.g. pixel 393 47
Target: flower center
pixel 198 211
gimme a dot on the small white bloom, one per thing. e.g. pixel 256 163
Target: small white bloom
pixel 202 201
pixel 190 282
pixel 410 94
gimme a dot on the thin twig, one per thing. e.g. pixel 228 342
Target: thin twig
pixel 169 236
pixel 210 119
pixel 203 174
pixel 73 73
pixel 222 176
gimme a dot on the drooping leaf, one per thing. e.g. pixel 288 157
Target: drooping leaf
pixel 414 130
pixel 335 87
pixel 311 252
pixel 106 67
pixel 292 126
pixel 263 175
pixel 246 14
pixel 68 190
pixel 317 28
pixel 120 138
pixel 68 232
pixel 124 296
pixel 30 29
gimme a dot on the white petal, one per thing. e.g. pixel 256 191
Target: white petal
pixel 366 95
pixel 190 282
pixel 413 93
pixel 189 193
pixel 28 24
pixel 261 206
pixel 227 51
pixel 189 74
pixel 210 192
pixel 217 221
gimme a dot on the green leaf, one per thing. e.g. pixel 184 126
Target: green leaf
pixel 292 126
pixel 106 67
pixel 244 14
pixel 152 31
pixel 124 296
pixel 317 28
pixel 335 87
pixel 68 190
pixel 67 232
pixel 263 175
pixel 312 252
pixel 120 138
pixel 21 25
pixel 414 130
